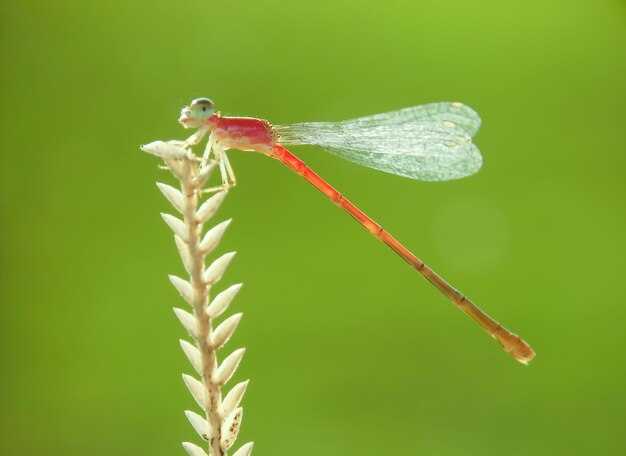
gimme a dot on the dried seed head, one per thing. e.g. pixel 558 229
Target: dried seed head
pixel 193 175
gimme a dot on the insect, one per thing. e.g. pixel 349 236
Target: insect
pixel 431 142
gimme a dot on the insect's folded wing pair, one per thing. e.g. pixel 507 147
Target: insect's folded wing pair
pixel 430 142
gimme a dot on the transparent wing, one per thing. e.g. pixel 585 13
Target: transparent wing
pixel 455 112
pixel 429 142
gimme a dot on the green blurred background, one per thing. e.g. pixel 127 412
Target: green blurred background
pixel 349 351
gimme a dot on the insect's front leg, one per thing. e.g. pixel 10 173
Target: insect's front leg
pixel 195 139
pixel 210 145
pixel 192 141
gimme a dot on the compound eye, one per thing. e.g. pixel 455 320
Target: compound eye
pixel 202 108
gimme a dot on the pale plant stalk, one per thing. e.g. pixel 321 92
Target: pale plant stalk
pixel 222 418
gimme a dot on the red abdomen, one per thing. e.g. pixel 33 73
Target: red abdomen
pixel 243 133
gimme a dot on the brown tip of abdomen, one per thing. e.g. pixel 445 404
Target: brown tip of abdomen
pixel 514 344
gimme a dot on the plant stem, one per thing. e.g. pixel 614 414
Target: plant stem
pixel 191 192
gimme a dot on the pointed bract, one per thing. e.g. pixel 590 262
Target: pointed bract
pixel 224 331
pixel 184 288
pixel 193 450
pixel 165 149
pixel 233 398
pixel 189 322
pixel 196 388
pixel 177 225
pixel 183 249
pixel 174 196
pixel 193 355
pixel 205 173
pixel 230 428
pixel 177 167
pixel 229 366
pixel 199 424
pixel 213 237
pixel 216 270
pixel 209 207
pixel 245 450
pixel 221 302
